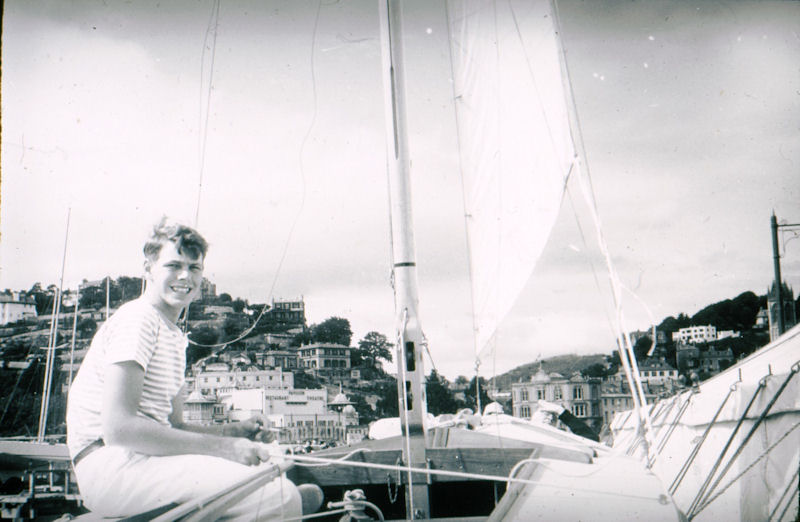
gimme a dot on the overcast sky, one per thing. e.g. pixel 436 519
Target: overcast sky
pixel 689 113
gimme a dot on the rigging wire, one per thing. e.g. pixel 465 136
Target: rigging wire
pixel 213 19
pixel 627 355
pixel 301 207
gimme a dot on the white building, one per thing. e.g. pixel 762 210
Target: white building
pixel 696 334
pixel 301 415
pixel 15 307
pixel 218 379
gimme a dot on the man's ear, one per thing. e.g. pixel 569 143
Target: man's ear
pixel 146 265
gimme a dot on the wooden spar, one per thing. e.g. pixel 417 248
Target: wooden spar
pixel 409 333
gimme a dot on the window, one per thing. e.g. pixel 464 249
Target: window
pixel 525 412
pixel 577 392
pixel 557 393
pixel 523 395
pixel 540 394
pixel 579 410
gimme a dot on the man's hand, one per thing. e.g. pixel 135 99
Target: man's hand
pixel 246 452
pixel 254 428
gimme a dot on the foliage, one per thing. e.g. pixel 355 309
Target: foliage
pixel 303 380
pixel 238 305
pixel 595 370
pixel 203 335
pixel 302 338
pixel 86 327
pixel 641 347
pixel 387 405
pixel 332 330
pixel 470 400
pixel 440 398
pixel 372 347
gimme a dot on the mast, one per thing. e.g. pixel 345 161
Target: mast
pixel 51 345
pixel 410 372
pixel 776 259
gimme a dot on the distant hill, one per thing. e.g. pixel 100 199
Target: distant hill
pixel 566 365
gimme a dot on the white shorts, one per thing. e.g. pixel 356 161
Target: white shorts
pixel 115 482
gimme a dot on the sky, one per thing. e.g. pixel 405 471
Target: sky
pixel 119 112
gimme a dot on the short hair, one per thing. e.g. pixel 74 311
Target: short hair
pixel 187 240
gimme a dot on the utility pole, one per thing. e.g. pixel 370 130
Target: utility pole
pixel 776 258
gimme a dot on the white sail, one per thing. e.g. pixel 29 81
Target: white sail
pixel 515 144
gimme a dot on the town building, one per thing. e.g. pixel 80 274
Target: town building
pixel 616 398
pixel 287 312
pixel 327 361
pixel 578 394
pixel 16 307
pixel 286 360
pixel 714 361
pixel 300 415
pixel 657 372
pixel 695 334
pixel 221 378
pixel 207 289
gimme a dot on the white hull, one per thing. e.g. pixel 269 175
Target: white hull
pixel 761 481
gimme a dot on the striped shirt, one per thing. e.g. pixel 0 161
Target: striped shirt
pixel 136 332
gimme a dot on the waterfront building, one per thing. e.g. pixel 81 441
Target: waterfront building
pixel 301 415
pixel 220 378
pixel 578 394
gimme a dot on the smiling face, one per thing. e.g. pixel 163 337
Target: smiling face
pixel 173 279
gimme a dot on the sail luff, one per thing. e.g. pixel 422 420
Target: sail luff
pixel 515 145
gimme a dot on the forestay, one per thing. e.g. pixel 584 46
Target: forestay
pixel 515 144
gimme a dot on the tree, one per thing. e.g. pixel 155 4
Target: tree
pixel 86 327
pixel 224 298
pixel 388 405
pixel 595 370
pixel 641 347
pixel 470 397
pixel 332 330
pixel 238 305
pixel 375 346
pixel 440 398
pixel 202 335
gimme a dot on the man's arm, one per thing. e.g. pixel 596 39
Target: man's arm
pixel 123 427
pixel 253 428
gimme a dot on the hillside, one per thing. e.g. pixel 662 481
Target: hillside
pixel 566 365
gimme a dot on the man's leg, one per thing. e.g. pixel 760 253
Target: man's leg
pixel 115 482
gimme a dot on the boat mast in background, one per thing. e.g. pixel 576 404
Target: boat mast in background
pixel 51 345
pixel 410 390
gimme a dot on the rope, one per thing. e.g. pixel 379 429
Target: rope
pixel 753 429
pixel 690 459
pixel 761 384
pixel 746 470
pixel 672 426
pixel 786 507
pixel 465 475
pixel 341 459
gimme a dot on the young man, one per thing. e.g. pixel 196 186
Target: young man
pixel 131 450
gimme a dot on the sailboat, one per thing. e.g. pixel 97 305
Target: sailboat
pixel 520 145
